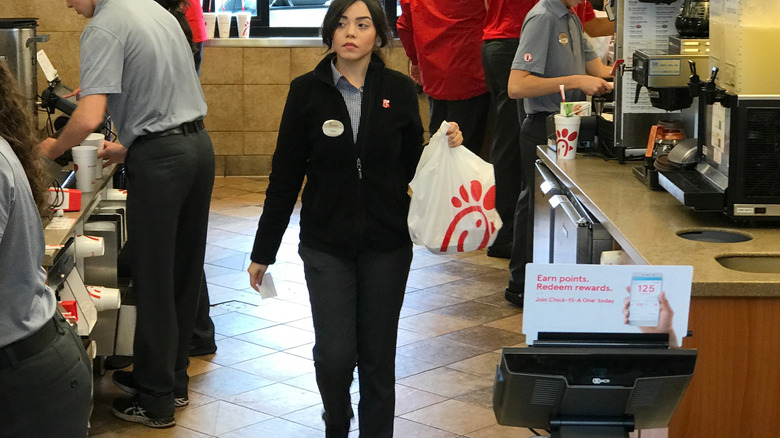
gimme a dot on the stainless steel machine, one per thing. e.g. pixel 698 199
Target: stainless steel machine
pixel 18 45
pixel 738 166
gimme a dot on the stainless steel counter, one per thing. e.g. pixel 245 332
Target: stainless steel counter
pixel 646 224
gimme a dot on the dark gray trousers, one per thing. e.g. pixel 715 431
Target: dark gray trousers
pixel 168 194
pixel 497 56
pixel 532 133
pixel 355 305
pixel 470 114
pixel 49 394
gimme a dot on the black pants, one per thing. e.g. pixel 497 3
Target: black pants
pixel 533 132
pixel 470 114
pixel 355 305
pixel 49 394
pixel 169 190
pixel 497 56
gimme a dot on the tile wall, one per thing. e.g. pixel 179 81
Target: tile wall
pixel 245 88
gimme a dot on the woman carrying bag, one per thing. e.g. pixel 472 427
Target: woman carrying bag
pixel 352 128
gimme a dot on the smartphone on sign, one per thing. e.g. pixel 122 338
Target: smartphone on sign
pixel 643 307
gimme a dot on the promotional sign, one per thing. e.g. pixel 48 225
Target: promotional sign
pixel 607 299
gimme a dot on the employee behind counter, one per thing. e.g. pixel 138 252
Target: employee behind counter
pixel 552 52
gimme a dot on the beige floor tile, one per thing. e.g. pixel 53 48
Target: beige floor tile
pixel 406 337
pixel 447 382
pixel 219 417
pixel 279 311
pixel 279 337
pixel 498 431
pixel 428 277
pixel 304 351
pixel 235 263
pixel 307 382
pixel 513 323
pixel 214 252
pixel 222 192
pixel 237 323
pixel 408 399
pixel 483 365
pixel 276 428
pixel 303 324
pixel 433 324
pixel 410 429
pixel 423 258
pixel 233 350
pixel 466 289
pixel 463 269
pixel 482 397
pixel 201 364
pixel 277 399
pixel 479 313
pixel 226 382
pixel 426 301
pixel 488 338
pixel 243 211
pixel 439 352
pixel 239 242
pixel 215 235
pixel 453 416
pixel 409 366
pixel 231 278
pixel 277 366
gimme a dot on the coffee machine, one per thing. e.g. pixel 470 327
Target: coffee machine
pixel 738 150
pixel 18 45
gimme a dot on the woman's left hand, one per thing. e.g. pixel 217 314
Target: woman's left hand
pixel 454 136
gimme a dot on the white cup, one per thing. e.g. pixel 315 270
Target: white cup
pixel 89 246
pixel 104 298
pixel 223 24
pixel 96 139
pixel 567 135
pixel 84 159
pixel 211 23
pixel 243 18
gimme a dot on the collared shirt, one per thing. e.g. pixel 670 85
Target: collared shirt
pixel 353 97
pixel 136 54
pixel 551 45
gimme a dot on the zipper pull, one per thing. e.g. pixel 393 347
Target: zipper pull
pixel 359 169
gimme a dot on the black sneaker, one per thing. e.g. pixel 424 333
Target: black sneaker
pixel 128 409
pixel 124 380
pixel 515 298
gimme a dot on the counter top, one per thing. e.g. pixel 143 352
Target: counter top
pixel 646 224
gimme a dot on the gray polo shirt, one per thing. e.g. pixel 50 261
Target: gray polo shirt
pixel 551 45
pixel 27 304
pixel 135 52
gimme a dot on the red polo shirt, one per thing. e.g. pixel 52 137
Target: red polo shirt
pixel 444 38
pixel 505 18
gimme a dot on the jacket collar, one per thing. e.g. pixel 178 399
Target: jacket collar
pixel 324 73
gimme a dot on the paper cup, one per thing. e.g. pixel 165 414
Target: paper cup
pixel 242 19
pixel 84 160
pixel 96 139
pixel 104 298
pixel 223 24
pixel 567 133
pixel 211 23
pixel 89 246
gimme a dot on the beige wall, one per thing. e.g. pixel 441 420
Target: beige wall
pixel 245 88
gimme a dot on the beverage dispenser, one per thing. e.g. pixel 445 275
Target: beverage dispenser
pixel 18 45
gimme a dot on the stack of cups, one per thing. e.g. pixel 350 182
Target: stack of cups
pixel 96 139
pixel 84 161
pixel 223 24
pixel 567 132
pixel 89 246
pixel 104 298
pixel 211 21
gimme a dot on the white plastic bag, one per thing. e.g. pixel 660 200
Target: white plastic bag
pixel 453 207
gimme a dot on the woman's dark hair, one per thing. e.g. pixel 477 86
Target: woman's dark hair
pixel 336 11
pixel 18 129
pixel 177 8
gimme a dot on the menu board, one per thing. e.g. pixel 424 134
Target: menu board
pixel 646 26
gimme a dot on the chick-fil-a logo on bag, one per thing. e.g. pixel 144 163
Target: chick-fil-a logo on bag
pixel 474 204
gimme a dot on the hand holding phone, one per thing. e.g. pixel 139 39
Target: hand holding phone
pixel 644 307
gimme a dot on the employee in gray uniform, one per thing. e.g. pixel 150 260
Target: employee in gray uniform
pixel 45 374
pixel 136 62
pixel 551 52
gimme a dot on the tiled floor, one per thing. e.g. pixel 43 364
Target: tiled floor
pixel 261 381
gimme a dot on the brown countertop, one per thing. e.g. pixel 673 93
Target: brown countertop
pixel 646 224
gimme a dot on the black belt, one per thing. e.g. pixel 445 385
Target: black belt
pixel 183 129
pixel 29 346
pixel 537 116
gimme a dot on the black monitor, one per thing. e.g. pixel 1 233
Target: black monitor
pixel 590 391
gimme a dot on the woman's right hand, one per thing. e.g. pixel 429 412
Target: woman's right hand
pixel 256 272
pixel 593 86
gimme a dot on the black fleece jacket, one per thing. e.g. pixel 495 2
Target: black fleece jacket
pixel 355 196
